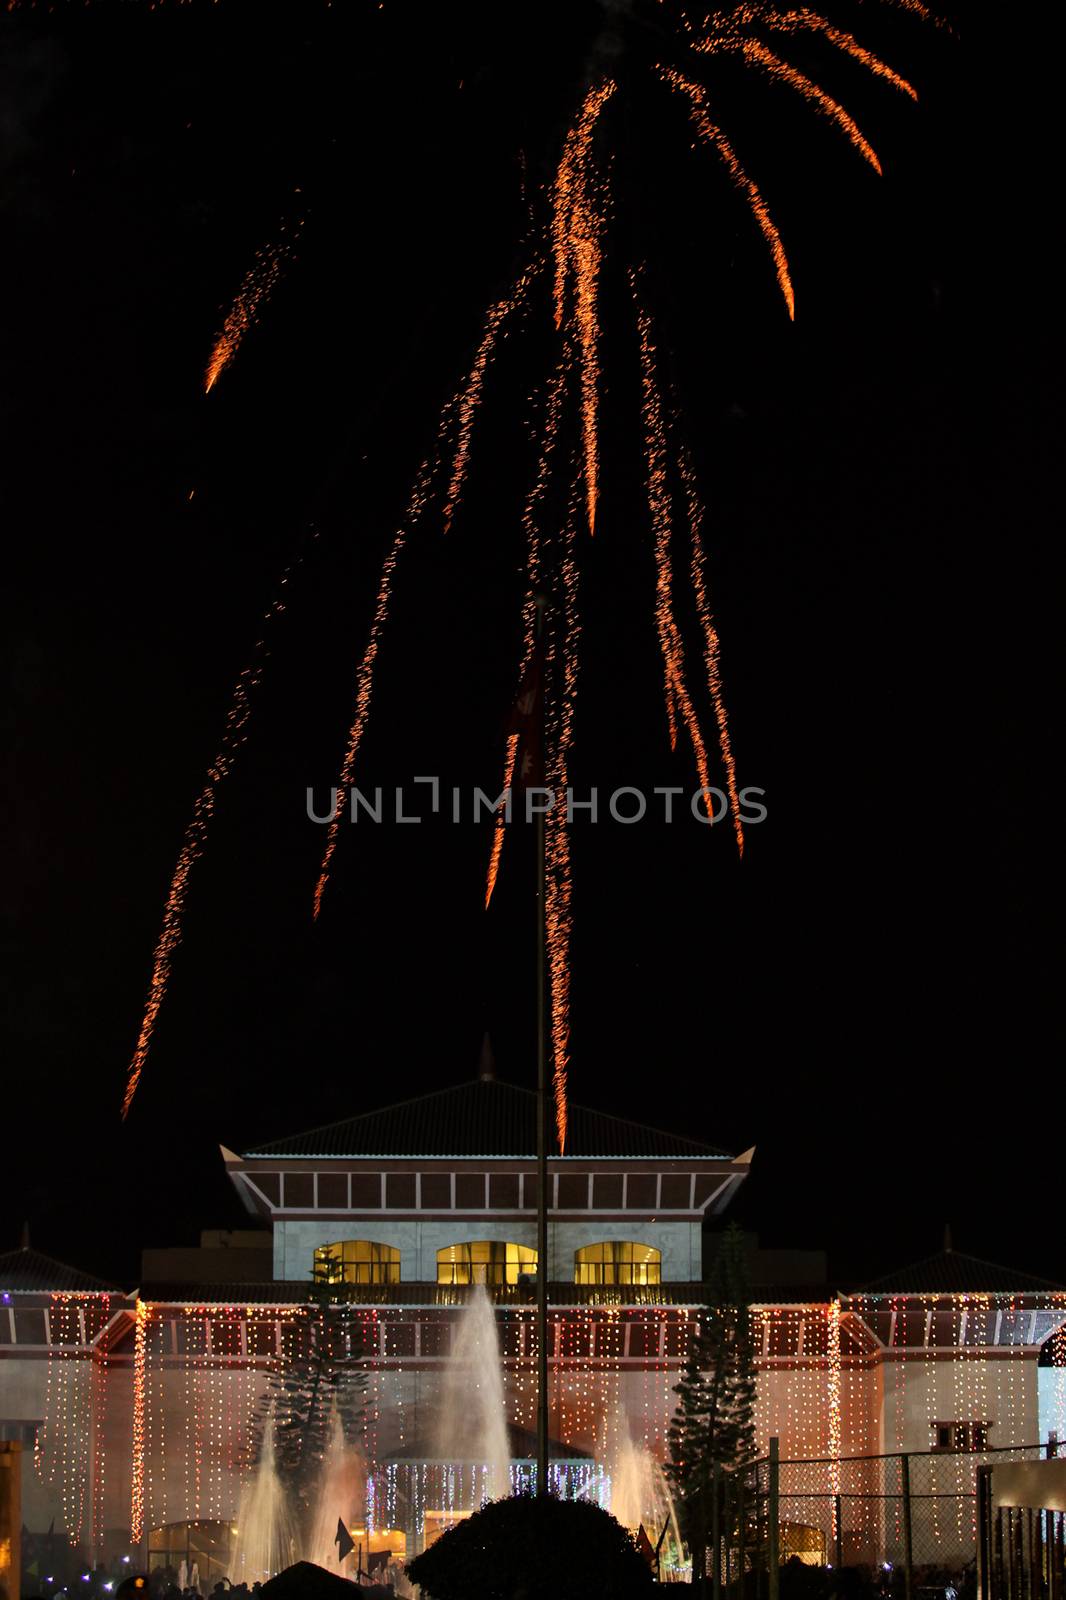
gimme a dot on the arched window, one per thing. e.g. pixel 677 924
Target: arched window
pixel 492 1261
pixel 357 1261
pixel 618 1261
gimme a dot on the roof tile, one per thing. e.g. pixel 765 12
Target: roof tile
pixel 484 1117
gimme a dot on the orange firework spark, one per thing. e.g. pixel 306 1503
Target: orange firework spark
pixel 711 647
pixel 425 479
pixel 659 505
pixel 195 840
pixel 553 414
pixel 758 55
pixel 713 135
pixel 809 21
pixel 471 398
pixel 462 404
pixel 501 821
pixel 256 288
pixel 577 229
pixel 558 916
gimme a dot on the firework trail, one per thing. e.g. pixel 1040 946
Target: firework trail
pixel 425 480
pixel 659 504
pixel 577 234
pixel 575 244
pixel 498 831
pixel 758 55
pixel 563 653
pixel 810 22
pixel 471 398
pixel 711 646
pixel 195 839
pixel 257 285
pixel 531 530
pixel 711 134
pixel 463 405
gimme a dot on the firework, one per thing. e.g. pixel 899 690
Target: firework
pixel 192 848
pixel 563 658
pixel 575 244
pixel 471 397
pixel 257 285
pixel 711 647
pixel 678 698
pixel 577 234
pixel 463 405
pixel 531 531
pixel 425 481
pixel 711 134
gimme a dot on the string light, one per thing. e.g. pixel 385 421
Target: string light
pixel 140 1331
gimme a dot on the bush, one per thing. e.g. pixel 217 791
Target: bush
pixel 531 1548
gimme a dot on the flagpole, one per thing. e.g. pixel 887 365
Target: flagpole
pixel 542 1108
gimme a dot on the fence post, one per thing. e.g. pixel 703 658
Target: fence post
pixel 839 1541
pixel 984 1532
pixel 716 1535
pixel 908 1543
pixel 774 1525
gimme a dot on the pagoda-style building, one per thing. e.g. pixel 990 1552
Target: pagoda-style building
pixel 136 1411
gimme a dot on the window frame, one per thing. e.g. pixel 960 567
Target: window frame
pixel 613 1268
pixel 499 1269
pixel 383 1262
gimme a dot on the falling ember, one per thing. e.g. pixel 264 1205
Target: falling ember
pixel 471 397
pixel 758 55
pixel 713 135
pixel 497 835
pixel 257 285
pixel 425 481
pixel 811 22
pixel 711 646
pixel 558 917
pixel 195 840
pixel 659 505
pixel 671 712
pixel 364 683
pixel 553 415
pixel 577 228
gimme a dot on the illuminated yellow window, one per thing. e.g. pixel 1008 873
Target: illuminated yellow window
pixel 493 1261
pixel 357 1261
pixel 618 1261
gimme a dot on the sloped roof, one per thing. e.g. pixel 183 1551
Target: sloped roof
pixel 483 1117
pixel 951 1272
pixel 28 1271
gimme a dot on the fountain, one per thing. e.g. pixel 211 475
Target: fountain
pixel 263 1539
pixel 341 1493
pixel 640 1495
pixel 472 1426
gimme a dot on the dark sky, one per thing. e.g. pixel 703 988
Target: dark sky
pixel 868 997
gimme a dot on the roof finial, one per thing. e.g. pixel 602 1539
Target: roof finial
pixel 947 1238
pixel 24 1242
pixel 486 1070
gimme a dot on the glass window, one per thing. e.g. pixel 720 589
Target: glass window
pixel 492 1261
pixel 357 1261
pixel 618 1261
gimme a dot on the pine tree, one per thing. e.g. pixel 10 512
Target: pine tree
pixel 714 1424
pixel 315 1389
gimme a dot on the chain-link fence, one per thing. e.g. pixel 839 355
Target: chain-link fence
pixel 919 1506
pixel 909 1522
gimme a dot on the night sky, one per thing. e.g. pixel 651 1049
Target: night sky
pixel 868 997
